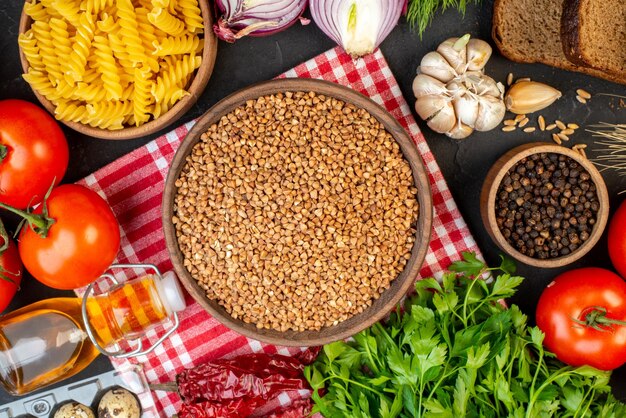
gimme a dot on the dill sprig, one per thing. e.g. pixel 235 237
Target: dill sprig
pixel 421 12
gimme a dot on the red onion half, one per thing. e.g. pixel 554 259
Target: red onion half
pixel 239 18
pixel 359 26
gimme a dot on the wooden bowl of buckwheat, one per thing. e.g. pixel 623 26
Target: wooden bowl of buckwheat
pixel 297 212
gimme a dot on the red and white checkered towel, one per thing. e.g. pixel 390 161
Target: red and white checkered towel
pixel 133 187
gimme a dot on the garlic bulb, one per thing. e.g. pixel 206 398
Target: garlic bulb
pixel 454 96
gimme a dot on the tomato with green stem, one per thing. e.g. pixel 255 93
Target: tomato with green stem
pixel 70 239
pixel 33 153
pixel 583 315
pixel 617 240
pixel 11 269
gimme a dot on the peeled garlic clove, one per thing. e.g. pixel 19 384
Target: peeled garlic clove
pixel 455 52
pixel 466 110
pixel 526 97
pixel 424 85
pixel 478 53
pixel 434 65
pixel 437 111
pixel 460 131
pixel 491 111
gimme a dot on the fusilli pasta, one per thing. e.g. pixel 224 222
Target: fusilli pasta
pixel 81 48
pixel 164 20
pixel 191 15
pixel 128 32
pixel 107 67
pixel 186 44
pixel 94 7
pixel 69 9
pixel 111 63
pixel 43 36
pixel 62 45
pixel 29 47
pixel 142 99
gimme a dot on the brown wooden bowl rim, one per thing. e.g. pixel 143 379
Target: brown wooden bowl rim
pixel 196 88
pixel 400 285
pixel 492 184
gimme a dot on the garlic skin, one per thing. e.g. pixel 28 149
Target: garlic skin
pixel 526 97
pixel 491 111
pixel 478 53
pixel 460 131
pixel 436 66
pixel 443 120
pixel 454 96
pixel 424 85
pixel 455 52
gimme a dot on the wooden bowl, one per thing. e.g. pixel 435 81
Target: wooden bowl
pixel 195 88
pixel 492 184
pixel 399 287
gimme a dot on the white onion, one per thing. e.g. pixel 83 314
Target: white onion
pixel 359 26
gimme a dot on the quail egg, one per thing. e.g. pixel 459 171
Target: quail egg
pixel 74 410
pixel 119 403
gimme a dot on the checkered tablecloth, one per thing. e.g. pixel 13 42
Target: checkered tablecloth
pixel 133 187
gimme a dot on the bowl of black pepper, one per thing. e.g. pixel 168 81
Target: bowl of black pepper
pixel 545 205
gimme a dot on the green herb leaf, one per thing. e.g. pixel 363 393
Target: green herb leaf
pixel 505 285
pixel 334 350
pixel 434 409
pixel 470 265
pixel 507 265
pixel 476 360
pixel 421 12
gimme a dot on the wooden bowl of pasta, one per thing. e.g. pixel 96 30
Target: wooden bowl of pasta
pixel 117 69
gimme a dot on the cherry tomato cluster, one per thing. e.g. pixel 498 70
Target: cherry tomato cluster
pixel 70 235
pixel 583 311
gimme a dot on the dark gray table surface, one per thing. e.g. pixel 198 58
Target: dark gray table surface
pixel 464 163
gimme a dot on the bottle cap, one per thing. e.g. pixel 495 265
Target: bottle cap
pixel 171 293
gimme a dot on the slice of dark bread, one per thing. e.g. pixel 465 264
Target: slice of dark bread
pixel 593 33
pixel 529 31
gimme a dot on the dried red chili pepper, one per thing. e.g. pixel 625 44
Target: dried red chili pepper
pixel 298 409
pixel 234 388
pixel 237 408
pixel 252 375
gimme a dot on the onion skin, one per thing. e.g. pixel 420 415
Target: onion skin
pixel 263 18
pixel 358 26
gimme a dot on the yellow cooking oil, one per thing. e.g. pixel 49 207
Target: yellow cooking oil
pixel 43 343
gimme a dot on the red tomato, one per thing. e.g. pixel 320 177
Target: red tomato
pixel 11 270
pixel 617 240
pixel 33 153
pixel 576 302
pixel 81 243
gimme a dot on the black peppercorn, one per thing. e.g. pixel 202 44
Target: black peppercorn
pixel 546 205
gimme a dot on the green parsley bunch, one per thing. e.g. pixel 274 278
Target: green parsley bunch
pixel 455 350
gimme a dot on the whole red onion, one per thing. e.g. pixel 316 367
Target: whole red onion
pixel 239 18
